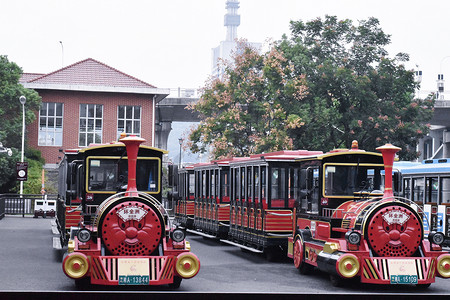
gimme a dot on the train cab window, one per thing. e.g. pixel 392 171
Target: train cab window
pixel 293 185
pixel 345 180
pixel 312 186
pixel 110 175
pixel 445 190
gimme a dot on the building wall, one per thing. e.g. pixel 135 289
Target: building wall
pixel 71 114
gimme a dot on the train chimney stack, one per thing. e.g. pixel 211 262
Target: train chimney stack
pixel 132 143
pixel 388 152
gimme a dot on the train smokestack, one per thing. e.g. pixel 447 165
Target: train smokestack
pixel 132 143
pixel 388 152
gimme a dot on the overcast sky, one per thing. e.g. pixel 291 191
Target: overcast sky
pixel 168 43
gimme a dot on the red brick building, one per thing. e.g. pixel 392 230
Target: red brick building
pixel 89 102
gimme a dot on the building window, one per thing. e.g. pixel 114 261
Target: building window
pixel 91 124
pixel 50 124
pixel 129 120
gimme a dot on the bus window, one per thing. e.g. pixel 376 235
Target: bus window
pixel 407 188
pixel 432 186
pixel 445 190
pixel 418 187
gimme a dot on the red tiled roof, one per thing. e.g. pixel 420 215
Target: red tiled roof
pixel 88 72
pixel 26 77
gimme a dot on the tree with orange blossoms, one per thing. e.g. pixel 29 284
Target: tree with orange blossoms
pixel 252 108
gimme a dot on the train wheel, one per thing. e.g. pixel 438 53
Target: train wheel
pixel 299 258
pixel 176 282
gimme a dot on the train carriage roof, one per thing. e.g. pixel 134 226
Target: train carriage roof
pixel 103 149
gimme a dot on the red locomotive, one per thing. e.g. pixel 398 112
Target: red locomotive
pixel 354 230
pixel 110 216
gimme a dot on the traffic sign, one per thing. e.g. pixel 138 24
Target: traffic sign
pixel 22 171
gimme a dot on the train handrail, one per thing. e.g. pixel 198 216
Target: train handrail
pixel 279 214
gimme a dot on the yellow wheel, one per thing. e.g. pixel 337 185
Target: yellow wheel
pixel 187 265
pixel 347 265
pixel 75 265
pixel 443 265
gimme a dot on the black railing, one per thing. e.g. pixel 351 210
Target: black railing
pixel 15 204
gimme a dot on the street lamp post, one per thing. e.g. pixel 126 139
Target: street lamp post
pixel 180 140
pixel 22 100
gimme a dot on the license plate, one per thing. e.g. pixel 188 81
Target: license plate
pixel 134 280
pixel 133 271
pixel 404 279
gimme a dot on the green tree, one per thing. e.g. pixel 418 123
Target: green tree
pixel 246 111
pixel 355 91
pixel 11 125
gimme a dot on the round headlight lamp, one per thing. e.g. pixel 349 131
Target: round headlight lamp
pixel 436 238
pixel 178 235
pixel 84 235
pixel 353 237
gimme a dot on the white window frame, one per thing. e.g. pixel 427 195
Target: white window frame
pixel 90 134
pixel 130 119
pixel 50 134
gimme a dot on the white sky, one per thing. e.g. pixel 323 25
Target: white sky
pixel 168 43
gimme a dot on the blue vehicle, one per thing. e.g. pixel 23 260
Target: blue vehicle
pixel 428 185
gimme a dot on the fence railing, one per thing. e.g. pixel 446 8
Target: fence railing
pixel 15 204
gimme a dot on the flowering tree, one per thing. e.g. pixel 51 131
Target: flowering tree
pixel 328 84
pixel 247 110
pixel 355 91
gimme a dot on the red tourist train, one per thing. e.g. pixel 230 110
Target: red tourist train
pixel 332 211
pixel 110 216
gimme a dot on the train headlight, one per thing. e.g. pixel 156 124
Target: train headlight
pixel 353 237
pixel 84 235
pixel 436 238
pixel 178 235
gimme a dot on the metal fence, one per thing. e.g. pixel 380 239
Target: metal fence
pixel 15 204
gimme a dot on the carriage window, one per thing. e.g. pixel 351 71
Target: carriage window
pixel 225 185
pixel 263 185
pixel 275 178
pixel 445 190
pixel 111 175
pixel 257 184
pixel 250 195
pixel 191 185
pixel 242 195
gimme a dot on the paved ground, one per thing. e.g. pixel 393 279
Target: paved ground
pixel 29 265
